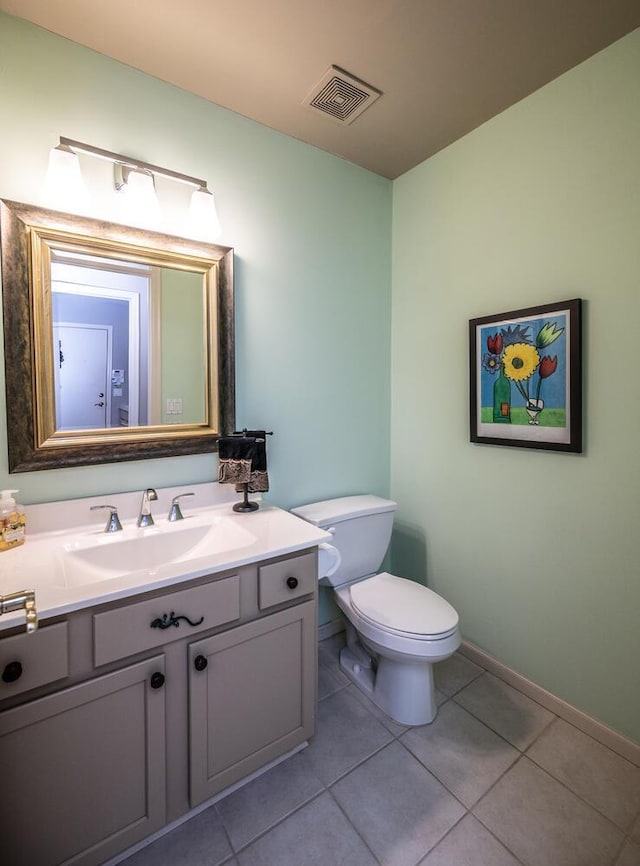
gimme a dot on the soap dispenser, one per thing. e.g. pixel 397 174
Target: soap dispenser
pixel 12 521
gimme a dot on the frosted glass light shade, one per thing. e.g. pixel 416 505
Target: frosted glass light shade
pixel 64 187
pixel 202 222
pixel 140 205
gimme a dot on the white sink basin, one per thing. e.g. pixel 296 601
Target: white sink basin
pixel 97 557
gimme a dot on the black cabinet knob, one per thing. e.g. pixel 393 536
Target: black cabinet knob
pixel 292 582
pixel 12 672
pixel 200 663
pixel 157 680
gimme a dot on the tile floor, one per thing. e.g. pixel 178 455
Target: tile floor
pixel 495 780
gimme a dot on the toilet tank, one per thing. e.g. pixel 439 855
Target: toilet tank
pixel 361 528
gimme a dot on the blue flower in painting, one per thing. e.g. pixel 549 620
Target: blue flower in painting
pixel 517 334
pixel 491 362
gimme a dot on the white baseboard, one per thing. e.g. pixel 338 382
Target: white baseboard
pixel 615 741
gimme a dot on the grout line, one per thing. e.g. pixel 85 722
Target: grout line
pixel 522 750
pixel 619 852
pixel 444 784
pixel 281 820
pixel 354 828
pixel 442 838
pixel 579 796
pixel 462 687
pixel 524 757
pixel 225 831
pixel 359 764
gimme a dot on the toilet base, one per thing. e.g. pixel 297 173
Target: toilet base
pixel 403 690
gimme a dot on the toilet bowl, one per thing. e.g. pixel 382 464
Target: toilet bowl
pixel 396 628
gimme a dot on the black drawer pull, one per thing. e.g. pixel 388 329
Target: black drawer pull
pixel 200 663
pixel 12 672
pixel 169 619
pixel 292 582
pixel 157 680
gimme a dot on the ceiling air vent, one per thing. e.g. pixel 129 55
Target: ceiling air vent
pixel 341 96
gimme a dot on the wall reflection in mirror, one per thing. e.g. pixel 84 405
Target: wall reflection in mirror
pixel 129 343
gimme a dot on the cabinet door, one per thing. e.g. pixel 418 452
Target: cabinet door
pixel 83 770
pixel 252 694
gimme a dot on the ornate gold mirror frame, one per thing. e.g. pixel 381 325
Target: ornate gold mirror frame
pixel 28 236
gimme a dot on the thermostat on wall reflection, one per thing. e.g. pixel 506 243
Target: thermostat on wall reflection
pixel 117 377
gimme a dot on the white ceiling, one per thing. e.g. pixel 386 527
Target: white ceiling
pixel 444 66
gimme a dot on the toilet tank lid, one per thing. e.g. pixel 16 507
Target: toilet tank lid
pixel 344 508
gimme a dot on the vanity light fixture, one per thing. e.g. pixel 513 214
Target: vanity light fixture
pixel 133 177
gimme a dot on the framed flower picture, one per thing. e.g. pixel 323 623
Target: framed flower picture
pixel 526 377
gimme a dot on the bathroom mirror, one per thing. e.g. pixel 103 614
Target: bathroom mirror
pixel 118 341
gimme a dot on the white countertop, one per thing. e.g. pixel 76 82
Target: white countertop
pixel 39 563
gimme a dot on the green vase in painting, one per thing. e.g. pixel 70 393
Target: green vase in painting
pixel 502 399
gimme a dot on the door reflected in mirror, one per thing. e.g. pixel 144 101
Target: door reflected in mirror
pixel 129 343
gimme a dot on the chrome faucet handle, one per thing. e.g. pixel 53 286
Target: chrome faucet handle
pixel 176 513
pixel 145 517
pixel 113 523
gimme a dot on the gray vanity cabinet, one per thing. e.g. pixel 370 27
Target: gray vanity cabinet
pixel 98 750
pixel 83 770
pixel 251 697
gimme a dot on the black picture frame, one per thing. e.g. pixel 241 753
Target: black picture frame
pixel 525 377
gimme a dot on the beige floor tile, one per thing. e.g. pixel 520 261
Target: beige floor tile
pixel 545 824
pixel 510 713
pixel 346 734
pixel 201 841
pixel 469 844
pixel 329 682
pixel 605 780
pixel 455 673
pixel 397 806
pixel 316 835
pixel 259 805
pixel 466 755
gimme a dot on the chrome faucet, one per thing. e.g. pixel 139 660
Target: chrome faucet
pixel 26 599
pixel 145 518
pixel 176 513
pixel 113 521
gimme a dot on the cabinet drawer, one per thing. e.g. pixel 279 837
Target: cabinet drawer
pixel 135 628
pixel 285 580
pixel 31 660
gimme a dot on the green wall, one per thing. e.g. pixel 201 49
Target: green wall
pixel 181 328
pixel 312 238
pixel 538 551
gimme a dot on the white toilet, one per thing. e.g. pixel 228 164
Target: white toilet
pixel 396 628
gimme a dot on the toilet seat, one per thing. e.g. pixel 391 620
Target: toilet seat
pixel 403 607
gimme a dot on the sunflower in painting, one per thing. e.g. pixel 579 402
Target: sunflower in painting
pixel 520 361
